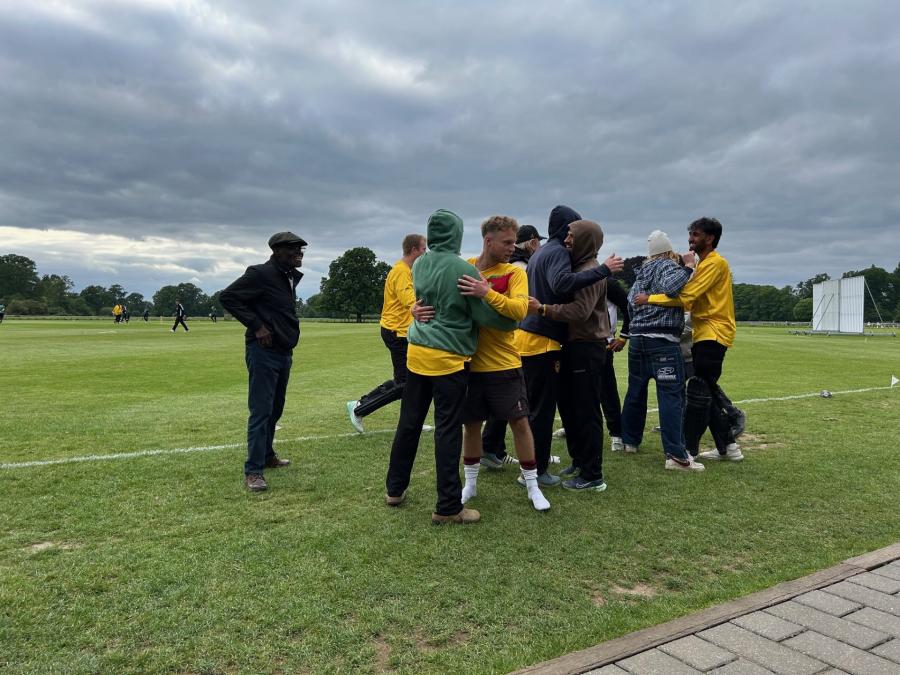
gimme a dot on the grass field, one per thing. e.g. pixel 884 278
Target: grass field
pixel 164 563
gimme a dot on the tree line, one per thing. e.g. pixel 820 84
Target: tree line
pixel 353 291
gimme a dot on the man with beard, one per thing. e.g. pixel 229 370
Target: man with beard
pixel 552 282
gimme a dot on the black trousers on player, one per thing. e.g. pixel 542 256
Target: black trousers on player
pixel 708 357
pixel 449 395
pixel 542 381
pixel 609 396
pixel 179 320
pixel 581 375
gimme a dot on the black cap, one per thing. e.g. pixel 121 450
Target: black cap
pixel 527 233
pixel 285 239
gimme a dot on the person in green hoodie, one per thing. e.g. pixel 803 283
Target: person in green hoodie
pixel 436 362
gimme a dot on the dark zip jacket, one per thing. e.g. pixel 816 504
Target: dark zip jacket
pixel 550 276
pixel 266 295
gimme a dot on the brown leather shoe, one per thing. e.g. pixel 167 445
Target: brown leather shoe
pixel 255 482
pixel 395 501
pixel 464 517
pixel 276 462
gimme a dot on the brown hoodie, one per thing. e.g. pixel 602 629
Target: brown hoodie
pixel 586 314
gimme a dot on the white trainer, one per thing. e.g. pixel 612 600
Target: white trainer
pixel 538 500
pixel 631 449
pixel 732 454
pixel 672 465
pixel 559 433
pixel 616 444
pixel 354 420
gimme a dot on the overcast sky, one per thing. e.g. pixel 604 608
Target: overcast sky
pixel 152 142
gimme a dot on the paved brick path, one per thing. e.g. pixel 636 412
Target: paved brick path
pixel 842 620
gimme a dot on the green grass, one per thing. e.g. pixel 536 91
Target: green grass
pixel 165 564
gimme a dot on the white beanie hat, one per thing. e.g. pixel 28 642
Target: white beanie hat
pixel 658 242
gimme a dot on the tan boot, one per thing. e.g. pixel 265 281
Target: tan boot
pixel 464 517
pixel 255 482
pixel 395 501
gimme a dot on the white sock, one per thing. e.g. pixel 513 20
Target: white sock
pixel 470 489
pixel 534 492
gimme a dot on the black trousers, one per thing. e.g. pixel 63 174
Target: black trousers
pixel 397 347
pixel 542 381
pixel 708 357
pixel 392 390
pixel 449 395
pixel 609 396
pixel 179 320
pixel 580 395
pixel 493 437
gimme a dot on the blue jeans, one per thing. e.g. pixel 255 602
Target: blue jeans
pixel 269 371
pixel 660 360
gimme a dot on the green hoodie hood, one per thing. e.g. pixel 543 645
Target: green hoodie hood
pixel 454 327
pixel 445 232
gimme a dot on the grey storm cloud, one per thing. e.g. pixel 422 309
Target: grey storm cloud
pixel 158 141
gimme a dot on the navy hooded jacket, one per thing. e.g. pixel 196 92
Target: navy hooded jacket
pixel 550 276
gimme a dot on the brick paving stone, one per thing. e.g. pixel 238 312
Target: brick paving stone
pixel 655 662
pixel 828 602
pixel 875 618
pixel 697 653
pixel 876 582
pixel 741 667
pixel 611 669
pixel 840 655
pixel 834 671
pixel 878 600
pixel 889 650
pixel 768 653
pixel 772 627
pixel 887 571
pixel 832 626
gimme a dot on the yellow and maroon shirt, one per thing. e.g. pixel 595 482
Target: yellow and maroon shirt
pixel 497 349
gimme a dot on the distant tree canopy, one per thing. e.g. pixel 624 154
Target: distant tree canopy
pixel 353 289
pixel 354 283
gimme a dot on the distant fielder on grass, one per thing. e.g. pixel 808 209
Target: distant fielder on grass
pixel 264 299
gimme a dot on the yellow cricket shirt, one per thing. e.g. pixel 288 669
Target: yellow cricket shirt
pixel 433 362
pixel 509 297
pixel 707 296
pixel 399 297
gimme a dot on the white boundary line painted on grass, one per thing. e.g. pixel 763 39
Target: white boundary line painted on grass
pixel 231 446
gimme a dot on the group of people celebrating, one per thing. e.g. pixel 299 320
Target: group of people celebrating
pixel 508 338
pixel 525 329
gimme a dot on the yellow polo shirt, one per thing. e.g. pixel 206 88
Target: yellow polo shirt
pixel 708 297
pixel 399 297
pixel 509 297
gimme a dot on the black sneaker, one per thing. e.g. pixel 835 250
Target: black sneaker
pixel 583 485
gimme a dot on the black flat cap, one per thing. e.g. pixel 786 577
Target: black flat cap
pixel 285 239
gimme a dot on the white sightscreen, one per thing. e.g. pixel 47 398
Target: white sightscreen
pixel 838 305
pixel 852 300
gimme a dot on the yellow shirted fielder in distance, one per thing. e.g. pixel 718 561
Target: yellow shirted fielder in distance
pixel 396 317
pixel 496 381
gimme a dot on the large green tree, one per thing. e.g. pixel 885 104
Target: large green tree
pixel 98 298
pixel 354 283
pixel 195 301
pixel 882 288
pixel 18 277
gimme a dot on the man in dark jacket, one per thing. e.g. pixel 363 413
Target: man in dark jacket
pixel 264 300
pixel 552 281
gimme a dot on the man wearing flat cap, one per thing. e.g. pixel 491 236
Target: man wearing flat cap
pixel 264 300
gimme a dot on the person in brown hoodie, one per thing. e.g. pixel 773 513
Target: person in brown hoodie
pixel 582 359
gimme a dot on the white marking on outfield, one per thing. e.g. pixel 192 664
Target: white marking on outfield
pixel 231 446
pixel 168 451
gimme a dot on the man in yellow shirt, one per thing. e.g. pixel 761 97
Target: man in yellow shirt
pixel 399 298
pixel 708 297
pixel 496 382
